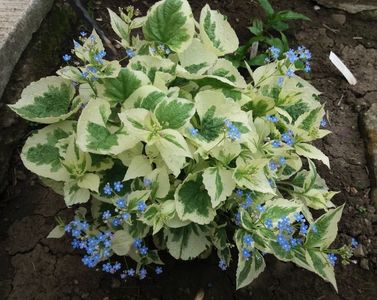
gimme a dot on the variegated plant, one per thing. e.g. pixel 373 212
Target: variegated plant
pixel 172 142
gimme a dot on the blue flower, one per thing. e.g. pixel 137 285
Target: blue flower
pixel 143 273
pixel 354 243
pixel 76 233
pixel 126 216
pixel 92 69
pixel 272 119
pixel 287 138
pixel 116 222
pixel 233 132
pixel 276 143
pixel 121 203
pixel 99 56
pixel 307 67
pixel 237 218
pixel 92 38
pixel 138 243
pixel 141 206
pixel 273 165
pixel 332 258
pixel 131 272
pixel 246 253
pixel 296 242
pixel 107 190
pixel 291 55
pixel 130 52
pixel 76 44
pixel 280 81
pixel 260 208
pixel 106 267
pixel 268 223
pixel 84 74
pixel 239 192
pixel 67 228
pixel 158 270
pixel 275 52
pixel 193 131
pixel 282 160
pixel 323 122
pixel 147 182
pixel 284 224
pixel 75 244
pixel 83 33
pixel 247 239
pixel 283 242
pixel 314 228
pixel 303 229
pixel 143 250
pixel 152 50
pixel 118 186
pixel 167 51
pixel 67 57
pixel 222 264
pixel 106 215
pixel 290 73
pixel 299 217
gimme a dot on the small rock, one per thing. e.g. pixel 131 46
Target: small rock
pixel 364 264
pixel 317 7
pixel 353 191
pixel 76 281
pixel 339 18
pixel 359 251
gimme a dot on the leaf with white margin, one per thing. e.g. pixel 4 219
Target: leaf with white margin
pixel 150 65
pixel 216 33
pixel 252 176
pixel 224 68
pixel 127 156
pixel 249 268
pixel 170 22
pixel 140 166
pixel 187 242
pixel 321 266
pixel 73 194
pixel 147 97
pixel 120 27
pixel 173 149
pixel 326 229
pixel 40 153
pixel 92 44
pixel 117 90
pixel 292 165
pixel 121 242
pixel 71 73
pixel 219 183
pixel 138 122
pixel 307 125
pixel 95 135
pixel 174 113
pixel 193 202
pixel 47 101
pixel 160 182
pixel 226 152
pixel 197 59
pixel 89 181
pixel 310 151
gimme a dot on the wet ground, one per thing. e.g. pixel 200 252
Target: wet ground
pixel 33 267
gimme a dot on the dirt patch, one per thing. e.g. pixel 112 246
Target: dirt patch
pixel 49 269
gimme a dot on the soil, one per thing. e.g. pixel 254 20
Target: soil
pixel 33 267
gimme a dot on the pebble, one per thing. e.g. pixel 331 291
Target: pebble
pixel 75 281
pixel 359 251
pixel 364 264
pixel 316 7
pixel 339 18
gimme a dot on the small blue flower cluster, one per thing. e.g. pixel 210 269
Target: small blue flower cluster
pixel 147 182
pixel 194 131
pixel 274 52
pixel 274 165
pixel 332 258
pixel 272 118
pixel 233 132
pixel 130 52
pixel 287 137
pixel 117 187
pixel 141 247
pixel 323 122
pixel 302 54
pixel 109 268
pixel 222 264
pixel 98 57
pixel 248 245
pixel 354 243
pixel 97 247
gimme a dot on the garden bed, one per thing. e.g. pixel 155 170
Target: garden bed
pixel 50 269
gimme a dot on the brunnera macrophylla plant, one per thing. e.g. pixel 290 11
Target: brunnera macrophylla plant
pixel 172 149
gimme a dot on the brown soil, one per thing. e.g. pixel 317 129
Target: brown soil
pixel 33 267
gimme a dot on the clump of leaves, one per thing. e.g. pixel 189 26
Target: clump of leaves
pixel 175 151
pixel 266 33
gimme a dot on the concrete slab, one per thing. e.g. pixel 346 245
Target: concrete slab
pixel 19 19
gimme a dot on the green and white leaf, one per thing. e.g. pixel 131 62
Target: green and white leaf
pixel 120 27
pixel 309 151
pixel 249 269
pixel 40 153
pixel 187 242
pixel 47 101
pixel 140 166
pixel 224 68
pixel 327 228
pixel 216 33
pixel 219 183
pixel 277 209
pixel 73 194
pixel 121 242
pixel 57 232
pixel 170 22
pixel 193 202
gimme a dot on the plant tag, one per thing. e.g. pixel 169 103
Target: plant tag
pixel 342 68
